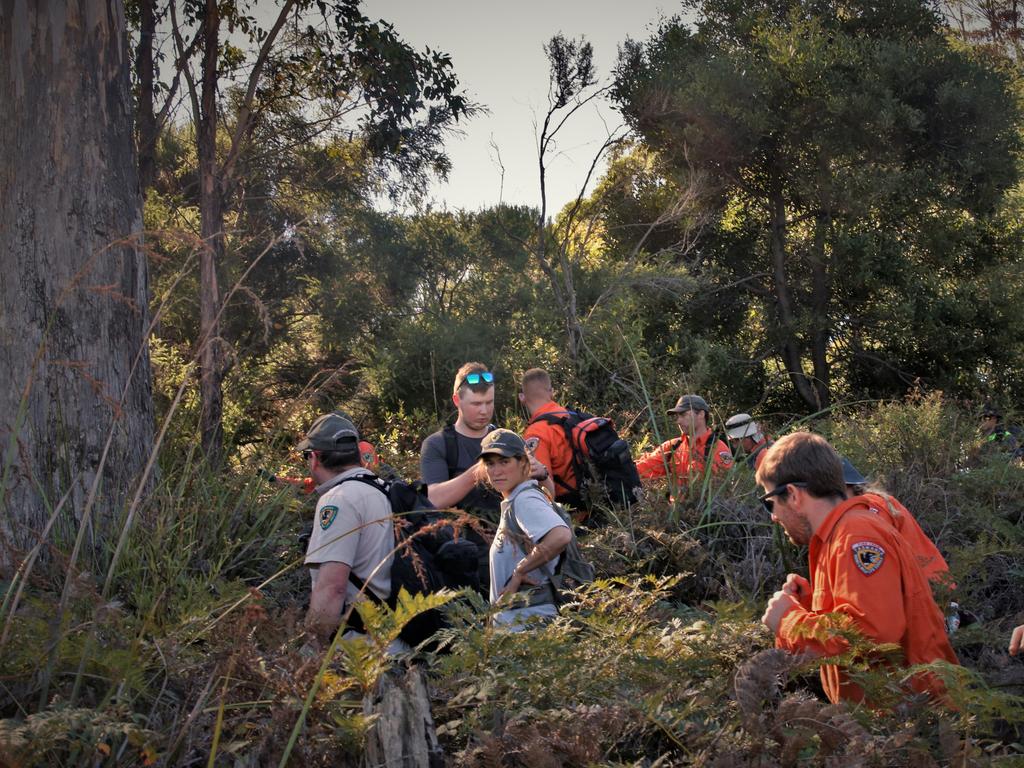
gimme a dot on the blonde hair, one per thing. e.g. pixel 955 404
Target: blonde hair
pixel 464 371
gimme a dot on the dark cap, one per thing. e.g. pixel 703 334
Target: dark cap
pixel 991 409
pixel 690 403
pixel 330 432
pixel 502 442
pixel 850 474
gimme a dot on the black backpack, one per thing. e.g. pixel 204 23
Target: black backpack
pixel 599 456
pixel 429 555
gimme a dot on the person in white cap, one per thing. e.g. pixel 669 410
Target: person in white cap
pixel 742 427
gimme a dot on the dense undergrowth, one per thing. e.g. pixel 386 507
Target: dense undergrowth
pixel 192 651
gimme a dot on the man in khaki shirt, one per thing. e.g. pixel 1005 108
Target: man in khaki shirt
pixel 352 534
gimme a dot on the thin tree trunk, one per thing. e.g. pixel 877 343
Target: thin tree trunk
pixel 73 281
pixel 819 313
pixel 211 214
pixel 146 117
pixel 789 345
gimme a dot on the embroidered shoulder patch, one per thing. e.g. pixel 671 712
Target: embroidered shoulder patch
pixel 725 456
pixel 868 556
pixel 327 515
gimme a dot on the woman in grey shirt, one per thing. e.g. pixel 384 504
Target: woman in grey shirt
pixel 531 534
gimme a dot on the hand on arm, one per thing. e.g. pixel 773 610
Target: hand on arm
pixel 548 548
pixel 451 492
pixel 327 599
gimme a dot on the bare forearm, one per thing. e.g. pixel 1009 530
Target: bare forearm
pixel 451 492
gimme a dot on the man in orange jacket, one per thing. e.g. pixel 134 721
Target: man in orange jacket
pixel 861 568
pixel 685 458
pixel 549 443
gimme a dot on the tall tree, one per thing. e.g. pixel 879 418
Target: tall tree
pixel 76 413
pixel 857 156
pixel 354 75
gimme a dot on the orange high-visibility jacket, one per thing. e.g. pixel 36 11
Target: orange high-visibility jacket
pixel 861 567
pixel 685 461
pixel 553 449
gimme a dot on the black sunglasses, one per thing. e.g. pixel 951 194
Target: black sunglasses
pixel 476 377
pixel 768 502
pixel 306 454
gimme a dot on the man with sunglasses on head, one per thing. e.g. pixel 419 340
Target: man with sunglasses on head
pixel 448 458
pixel 861 568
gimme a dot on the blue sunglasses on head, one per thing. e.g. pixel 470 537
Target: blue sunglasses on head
pixel 477 376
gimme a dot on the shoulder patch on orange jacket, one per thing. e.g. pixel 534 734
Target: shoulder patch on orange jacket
pixel 868 556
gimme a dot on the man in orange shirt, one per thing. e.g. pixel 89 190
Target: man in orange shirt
pixel 742 427
pixel 861 568
pixel 685 458
pixel 589 464
pixel 550 445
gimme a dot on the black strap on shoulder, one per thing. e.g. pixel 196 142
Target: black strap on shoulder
pixel 567 422
pixel 451 449
pixel 371 480
pixel 710 444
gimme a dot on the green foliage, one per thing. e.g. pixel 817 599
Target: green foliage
pixel 200 638
pixel 859 164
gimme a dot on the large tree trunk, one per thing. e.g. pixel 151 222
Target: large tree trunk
pixel 211 214
pixel 73 280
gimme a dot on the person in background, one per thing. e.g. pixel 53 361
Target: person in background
pixel 742 428
pixel 684 458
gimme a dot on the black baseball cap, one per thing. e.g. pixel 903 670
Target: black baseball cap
pixel 690 403
pixel 330 432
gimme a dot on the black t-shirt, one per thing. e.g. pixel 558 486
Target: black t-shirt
pixel 434 469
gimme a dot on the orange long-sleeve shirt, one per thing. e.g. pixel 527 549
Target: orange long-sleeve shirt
pixel 684 460
pixel 861 567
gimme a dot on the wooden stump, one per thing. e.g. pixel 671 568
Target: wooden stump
pixel 403 735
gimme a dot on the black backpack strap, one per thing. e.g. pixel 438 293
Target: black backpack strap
pixel 567 422
pixel 371 480
pixel 451 449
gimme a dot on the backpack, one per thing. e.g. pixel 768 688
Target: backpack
pixel 428 557
pixel 599 456
pixel 572 569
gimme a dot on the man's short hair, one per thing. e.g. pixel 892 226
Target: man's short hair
pixel 535 374
pixel 339 459
pixel 466 369
pixel 807 458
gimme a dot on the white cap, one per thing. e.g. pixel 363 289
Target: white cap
pixel 741 425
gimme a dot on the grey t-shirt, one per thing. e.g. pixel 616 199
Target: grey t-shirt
pixel 434 456
pixel 536 517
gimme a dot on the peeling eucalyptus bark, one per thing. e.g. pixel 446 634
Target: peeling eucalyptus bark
pixel 73 277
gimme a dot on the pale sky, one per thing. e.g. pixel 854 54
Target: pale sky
pixel 496 51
